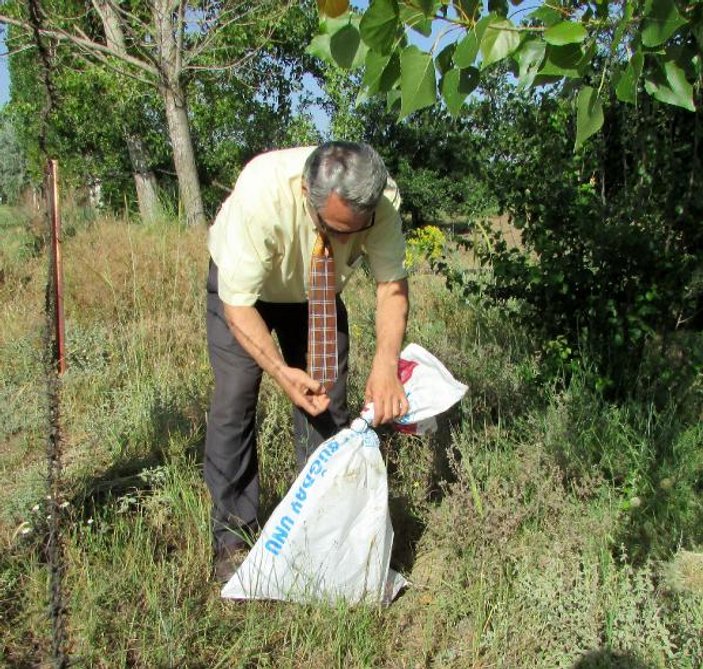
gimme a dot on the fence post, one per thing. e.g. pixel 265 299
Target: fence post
pixel 56 265
pixel 55 365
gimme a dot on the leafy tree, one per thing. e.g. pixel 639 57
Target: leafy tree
pixel 613 247
pixel 13 174
pixel 233 110
pixel 235 118
pixel 626 42
pixel 162 43
pixel 438 162
pixel 105 133
pixel 346 121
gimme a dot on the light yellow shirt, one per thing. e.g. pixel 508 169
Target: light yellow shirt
pixel 262 237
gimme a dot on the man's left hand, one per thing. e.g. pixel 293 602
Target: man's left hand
pixel 385 390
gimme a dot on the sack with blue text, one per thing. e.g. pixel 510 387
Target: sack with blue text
pixel 331 536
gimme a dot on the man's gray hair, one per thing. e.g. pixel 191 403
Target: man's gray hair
pixel 352 170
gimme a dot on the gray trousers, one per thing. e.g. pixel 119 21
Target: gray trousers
pixel 230 463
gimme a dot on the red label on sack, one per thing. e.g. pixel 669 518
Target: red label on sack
pixel 405 369
pixel 405 428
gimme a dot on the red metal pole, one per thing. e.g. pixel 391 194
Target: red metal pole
pixel 56 265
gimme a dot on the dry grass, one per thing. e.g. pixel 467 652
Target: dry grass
pixel 684 573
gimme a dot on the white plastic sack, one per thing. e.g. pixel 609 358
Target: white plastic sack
pixel 331 536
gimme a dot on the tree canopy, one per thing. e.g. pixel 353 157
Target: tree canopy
pixel 418 51
pixel 157 58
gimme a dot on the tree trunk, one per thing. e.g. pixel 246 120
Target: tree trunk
pixel 183 156
pixel 144 180
pixel 168 16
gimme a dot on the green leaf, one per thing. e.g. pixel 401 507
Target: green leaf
pixel 621 27
pixel 467 48
pixel 379 24
pixel 417 80
pixel 415 19
pixel 529 57
pixel 546 79
pixel 563 61
pixel 456 86
pixel 443 60
pixel 320 48
pixel 589 115
pixel 393 98
pixel 427 6
pixel 391 75
pixel 338 42
pixel 626 86
pixel 500 39
pixel 565 32
pixel 330 26
pixel 697 31
pixel 662 20
pixel 669 85
pixel 499 7
pixel 546 15
pixel 467 8
pixel 382 72
pixel 347 48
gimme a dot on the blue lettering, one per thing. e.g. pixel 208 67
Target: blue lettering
pixel 315 467
pixel 272 547
pixel 287 522
pixel 297 507
pixel 280 534
pixel 309 480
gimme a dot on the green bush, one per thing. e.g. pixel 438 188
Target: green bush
pixel 612 247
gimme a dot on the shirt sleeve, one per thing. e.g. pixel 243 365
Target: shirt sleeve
pixel 385 243
pixel 241 246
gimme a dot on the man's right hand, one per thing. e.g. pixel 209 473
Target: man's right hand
pixel 306 393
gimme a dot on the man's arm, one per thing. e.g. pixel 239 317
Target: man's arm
pixel 383 387
pixel 251 332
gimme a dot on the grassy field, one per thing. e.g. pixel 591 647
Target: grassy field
pixel 540 527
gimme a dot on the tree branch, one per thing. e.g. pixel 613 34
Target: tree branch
pixel 95 49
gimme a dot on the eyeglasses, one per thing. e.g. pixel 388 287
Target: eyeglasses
pixel 326 228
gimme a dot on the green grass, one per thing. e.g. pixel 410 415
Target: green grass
pixel 539 527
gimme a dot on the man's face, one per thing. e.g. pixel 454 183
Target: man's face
pixel 338 220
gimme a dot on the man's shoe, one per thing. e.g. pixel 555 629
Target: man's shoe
pixel 228 559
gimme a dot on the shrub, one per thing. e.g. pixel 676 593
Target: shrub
pixel 424 244
pixel 612 242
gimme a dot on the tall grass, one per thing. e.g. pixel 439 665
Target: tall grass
pixel 539 527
